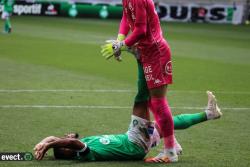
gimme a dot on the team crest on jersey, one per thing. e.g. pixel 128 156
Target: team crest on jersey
pixel 104 140
pixel 168 68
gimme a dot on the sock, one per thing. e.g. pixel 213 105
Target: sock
pixel 8 23
pixel 209 114
pixel 170 152
pixel 163 118
pixel 6 27
pixel 169 143
pixel 184 121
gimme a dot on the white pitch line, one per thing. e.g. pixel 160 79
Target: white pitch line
pixel 62 106
pixel 110 107
pixel 108 91
pixel 216 92
pixel 66 90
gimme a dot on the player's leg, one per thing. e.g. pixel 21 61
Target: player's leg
pixel 163 117
pixel 158 74
pixel 141 101
pixel 7 24
pixel 184 121
pixel 212 111
pixel 140 107
pixel 181 121
pixel 165 126
pixel 143 92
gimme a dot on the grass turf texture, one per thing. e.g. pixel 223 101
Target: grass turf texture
pixel 64 54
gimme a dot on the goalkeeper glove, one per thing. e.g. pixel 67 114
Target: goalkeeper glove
pixel 133 50
pixel 113 48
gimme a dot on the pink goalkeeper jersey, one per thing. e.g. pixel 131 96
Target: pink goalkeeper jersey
pixel 141 18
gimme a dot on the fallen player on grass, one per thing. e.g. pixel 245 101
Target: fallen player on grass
pixel 140 138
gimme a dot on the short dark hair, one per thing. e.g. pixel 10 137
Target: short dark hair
pixel 64 153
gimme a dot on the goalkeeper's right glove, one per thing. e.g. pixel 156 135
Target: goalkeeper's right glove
pixel 113 48
pixel 133 50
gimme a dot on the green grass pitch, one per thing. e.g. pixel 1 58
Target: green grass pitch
pixel 51 56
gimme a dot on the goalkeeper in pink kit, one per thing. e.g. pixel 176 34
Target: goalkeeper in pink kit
pixel 140 17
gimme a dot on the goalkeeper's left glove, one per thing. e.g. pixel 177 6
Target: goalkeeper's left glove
pixel 113 48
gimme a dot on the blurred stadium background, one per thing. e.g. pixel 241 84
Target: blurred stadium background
pixel 53 79
pixel 219 11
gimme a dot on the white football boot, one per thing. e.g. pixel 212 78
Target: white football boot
pixel 166 156
pixel 177 147
pixel 212 110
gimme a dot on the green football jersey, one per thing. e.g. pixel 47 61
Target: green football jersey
pixel 8 5
pixel 111 147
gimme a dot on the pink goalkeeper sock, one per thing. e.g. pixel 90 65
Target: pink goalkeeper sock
pixel 163 118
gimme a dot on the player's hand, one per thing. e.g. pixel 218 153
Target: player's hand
pixel 113 48
pixel 38 146
pixel 39 154
pixel 108 52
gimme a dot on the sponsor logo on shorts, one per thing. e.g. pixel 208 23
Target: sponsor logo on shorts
pixel 148 73
pixel 168 68
pixel 157 81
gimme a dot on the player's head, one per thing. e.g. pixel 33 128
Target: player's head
pixel 64 153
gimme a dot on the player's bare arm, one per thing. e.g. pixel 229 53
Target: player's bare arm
pixel 70 143
pixel 48 139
